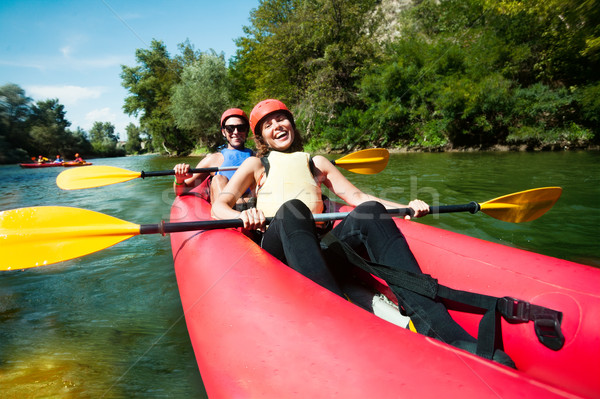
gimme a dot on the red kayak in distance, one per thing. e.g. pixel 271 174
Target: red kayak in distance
pixel 40 165
pixel 52 164
pixel 261 330
pixel 66 164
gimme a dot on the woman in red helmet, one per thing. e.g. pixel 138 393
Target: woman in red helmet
pixel 288 187
pixel 234 127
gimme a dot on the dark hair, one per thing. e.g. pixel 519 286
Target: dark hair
pixel 262 149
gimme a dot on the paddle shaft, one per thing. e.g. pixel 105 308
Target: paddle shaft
pixel 169 227
pixel 196 170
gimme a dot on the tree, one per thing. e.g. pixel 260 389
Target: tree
pixel 134 142
pixel 563 35
pixel 48 127
pixel 104 140
pixel 15 108
pixel 79 144
pixel 201 97
pixel 150 84
pixel 307 53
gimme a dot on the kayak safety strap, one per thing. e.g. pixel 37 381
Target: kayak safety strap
pixel 547 322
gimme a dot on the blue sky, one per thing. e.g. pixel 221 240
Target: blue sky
pixel 73 50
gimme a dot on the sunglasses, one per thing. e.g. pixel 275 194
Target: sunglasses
pixel 240 128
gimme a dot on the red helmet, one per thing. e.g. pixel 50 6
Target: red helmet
pixel 233 112
pixel 263 109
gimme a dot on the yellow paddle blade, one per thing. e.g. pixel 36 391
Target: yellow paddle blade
pixel 93 176
pixel 523 206
pixel 38 236
pixel 366 162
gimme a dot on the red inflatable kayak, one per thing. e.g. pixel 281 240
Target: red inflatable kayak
pixel 76 163
pixel 40 165
pixel 52 164
pixel 261 330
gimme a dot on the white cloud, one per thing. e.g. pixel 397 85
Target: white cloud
pixel 66 51
pixel 68 95
pixel 100 115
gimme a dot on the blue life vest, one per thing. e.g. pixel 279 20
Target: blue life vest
pixel 233 158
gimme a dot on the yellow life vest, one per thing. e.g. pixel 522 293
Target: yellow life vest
pixel 289 177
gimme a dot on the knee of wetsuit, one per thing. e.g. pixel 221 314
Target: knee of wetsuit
pixel 371 207
pixel 294 209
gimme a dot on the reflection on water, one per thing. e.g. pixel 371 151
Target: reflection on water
pixel 110 324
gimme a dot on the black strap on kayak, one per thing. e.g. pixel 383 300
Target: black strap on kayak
pixel 547 322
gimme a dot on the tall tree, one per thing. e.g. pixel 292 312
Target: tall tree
pixel 49 132
pixel 563 36
pixel 201 97
pixel 307 53
pixel 134 141
pixel 103 138
pixel 15 108
pixel 150 84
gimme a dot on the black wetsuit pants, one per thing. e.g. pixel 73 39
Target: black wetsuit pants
pixel 292 238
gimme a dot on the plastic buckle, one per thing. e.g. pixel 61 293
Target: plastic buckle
pixel 513 309
pixel 547 324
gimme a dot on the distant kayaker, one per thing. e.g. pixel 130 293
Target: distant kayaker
pixel 78 158
pixel 288 187
pixel 42 159
pixel 234 127
pixel 58 159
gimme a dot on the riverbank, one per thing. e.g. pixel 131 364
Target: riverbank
pixel 502 148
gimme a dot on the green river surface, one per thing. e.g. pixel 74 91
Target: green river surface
pixel 110 324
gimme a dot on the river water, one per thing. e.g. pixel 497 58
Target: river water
pixel 110 324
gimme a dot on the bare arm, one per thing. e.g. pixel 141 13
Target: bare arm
pixel 184 180
pixel 335 181
pixel 245 177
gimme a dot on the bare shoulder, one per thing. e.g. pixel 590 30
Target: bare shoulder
pixel 252 166
pixel 320 160
pixel 252 163
pixel 211 160
pixel 323 164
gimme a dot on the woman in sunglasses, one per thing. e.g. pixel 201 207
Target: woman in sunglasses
pixel 234 127
pixel 288 188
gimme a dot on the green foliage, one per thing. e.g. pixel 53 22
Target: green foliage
pixel 104 140
pixel 201 97
pixel 429 74
pixel 134 140
pixel 15 108
pixel 48 127
pixel 306 53
pixel 589 99
pixel 463 74
pixel 150 84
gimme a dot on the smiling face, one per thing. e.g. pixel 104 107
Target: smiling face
pixel 235 131
pixel 278 131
